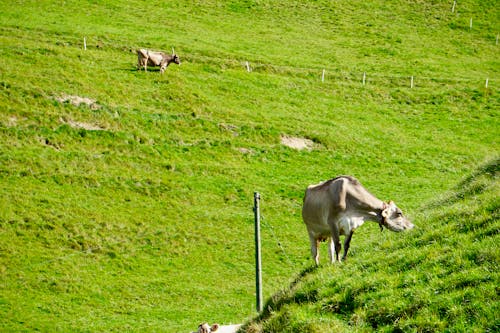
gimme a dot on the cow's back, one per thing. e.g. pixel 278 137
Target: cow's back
pixel 155 58
pixel 322 201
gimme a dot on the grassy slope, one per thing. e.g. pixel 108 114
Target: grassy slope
pixel 135 227
pixel 442 277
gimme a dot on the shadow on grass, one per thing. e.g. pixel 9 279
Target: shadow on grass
pixel 475 184
pixel 289 296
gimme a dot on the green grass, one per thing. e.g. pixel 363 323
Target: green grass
pixel 147 225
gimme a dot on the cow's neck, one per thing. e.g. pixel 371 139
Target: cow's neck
pixel 380 219
pixel 372 210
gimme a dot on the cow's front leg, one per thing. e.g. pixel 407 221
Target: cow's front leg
pixel 163 67
pixel 347 242
pixel 337 248
pixel 335 240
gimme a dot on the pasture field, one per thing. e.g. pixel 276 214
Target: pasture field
pixel 132 210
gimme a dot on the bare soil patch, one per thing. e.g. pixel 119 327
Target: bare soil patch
pixel 245 151
pixel 12 121
pixel 233 129
pixel 78 100
pixel 82 125
pixel 297 143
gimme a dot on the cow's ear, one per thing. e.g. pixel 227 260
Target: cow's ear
pixel 214 327
pixel 387 208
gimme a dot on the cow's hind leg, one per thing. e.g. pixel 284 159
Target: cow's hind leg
pixel 331 249
pixel 140 64
pixel 314 248
pixel 138 61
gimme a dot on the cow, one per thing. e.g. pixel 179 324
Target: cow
pixel 206 328
pixel 154 58
pixel 339 206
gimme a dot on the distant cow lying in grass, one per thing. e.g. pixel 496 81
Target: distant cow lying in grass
pixel 153 58
pixel 205 328
pixel 340 205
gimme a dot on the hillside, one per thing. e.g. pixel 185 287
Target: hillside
pixel 132 210
pixel 441 277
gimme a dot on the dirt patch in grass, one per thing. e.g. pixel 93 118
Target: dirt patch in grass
pixel 245 151
pixel 82 125
pixel 297 143
pixel 233 129
pixel 78 100
pixel 12 121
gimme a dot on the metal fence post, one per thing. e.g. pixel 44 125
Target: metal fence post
pixel 258 261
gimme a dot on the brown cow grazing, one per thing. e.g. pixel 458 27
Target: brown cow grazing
pixel 153 58
pixel 340 205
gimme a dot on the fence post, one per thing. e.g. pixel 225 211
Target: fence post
pixel 85 43
pixel 258 261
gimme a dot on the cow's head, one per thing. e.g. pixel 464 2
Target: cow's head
pixel 205 328
pixel 393 218
pixel 175 59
